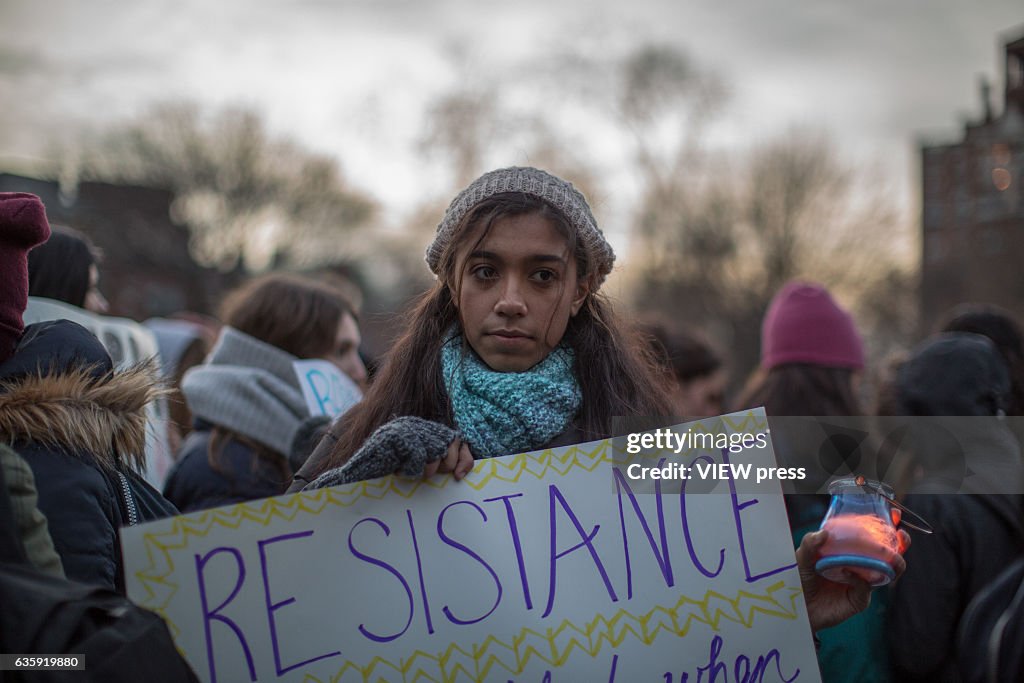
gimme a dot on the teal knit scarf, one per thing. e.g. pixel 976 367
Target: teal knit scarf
pixel 504 413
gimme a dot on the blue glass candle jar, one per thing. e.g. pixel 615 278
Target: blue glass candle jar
pixel 863 541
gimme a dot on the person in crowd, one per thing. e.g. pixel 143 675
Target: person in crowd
pixel 252 426
pixel 1005 332
pixel 974 460
pixel 182 345
pixel 29 522
pixel 829 604
pixel 80 425
pixel 811 358
pixel 66 268
pixel 697 386
pixel 514 347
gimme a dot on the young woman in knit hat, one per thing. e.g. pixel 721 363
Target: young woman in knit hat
pixel 252 427
pixel 513 349
pixel 811 358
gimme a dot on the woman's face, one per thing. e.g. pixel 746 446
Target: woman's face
pixel 345 351
pixel 518 290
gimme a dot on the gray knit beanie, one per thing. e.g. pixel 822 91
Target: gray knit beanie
pixel 532 181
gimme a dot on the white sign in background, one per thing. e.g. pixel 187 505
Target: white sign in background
pixel 327 390
pixel 536 567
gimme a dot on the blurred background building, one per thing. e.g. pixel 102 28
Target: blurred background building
pixel 147 270
pixel 973 205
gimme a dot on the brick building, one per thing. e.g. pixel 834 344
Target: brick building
pixel 146 270
pixel 973 207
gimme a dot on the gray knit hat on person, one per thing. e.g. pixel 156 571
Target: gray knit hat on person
pixel 532 181
pixel 250 387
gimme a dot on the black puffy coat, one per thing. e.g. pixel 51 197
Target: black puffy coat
pixel 969 491
pixel 237 475
pixel 82 428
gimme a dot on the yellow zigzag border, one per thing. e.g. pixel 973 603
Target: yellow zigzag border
pixel 554 646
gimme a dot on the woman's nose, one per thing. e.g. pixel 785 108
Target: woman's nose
pixel 511 301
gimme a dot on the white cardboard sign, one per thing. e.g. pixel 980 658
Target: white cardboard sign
pixel 327 390
pixel 537 567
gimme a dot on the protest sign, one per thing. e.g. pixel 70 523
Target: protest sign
pixel 327 390
pixel 544 566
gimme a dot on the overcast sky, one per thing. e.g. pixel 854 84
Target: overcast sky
pixel 352 77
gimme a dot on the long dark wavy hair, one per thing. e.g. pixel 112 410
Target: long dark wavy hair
pixel 292 312
pixel 802 389
pixel 808 390
pixel 615 371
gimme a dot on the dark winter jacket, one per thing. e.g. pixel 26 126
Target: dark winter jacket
pixel 237 475
pixel 969 494
pixel 81 427
pixel 990 642
pixel 976 537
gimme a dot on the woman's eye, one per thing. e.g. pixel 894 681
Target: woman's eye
pixel 545 276
pixel 484 273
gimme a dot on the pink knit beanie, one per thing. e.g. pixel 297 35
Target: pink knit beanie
pixel 805 325
pixel 23 225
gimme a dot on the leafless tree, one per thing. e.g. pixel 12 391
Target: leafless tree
pixel 784 210
pixel 244 193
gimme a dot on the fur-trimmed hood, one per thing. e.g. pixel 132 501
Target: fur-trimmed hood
pixel 105 417
pixel 60 390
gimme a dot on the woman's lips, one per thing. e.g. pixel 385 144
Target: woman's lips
pixel 509 333
pixel 510 337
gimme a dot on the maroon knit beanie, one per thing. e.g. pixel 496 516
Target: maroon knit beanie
pixel 23 225
pixel 805 325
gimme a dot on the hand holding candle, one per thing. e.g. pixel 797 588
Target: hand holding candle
pixel 862 538
pixel 829 602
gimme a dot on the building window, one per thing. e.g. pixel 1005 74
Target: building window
pixel 1001 178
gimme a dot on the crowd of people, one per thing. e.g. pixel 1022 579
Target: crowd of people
pixel 514 348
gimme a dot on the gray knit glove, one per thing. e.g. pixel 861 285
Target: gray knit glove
pixel 405 445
